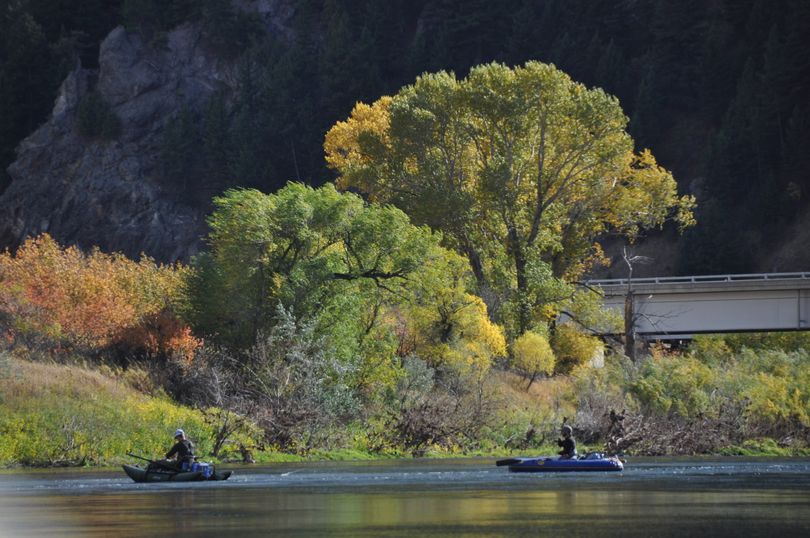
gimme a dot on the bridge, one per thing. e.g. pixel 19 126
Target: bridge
pixel 672 308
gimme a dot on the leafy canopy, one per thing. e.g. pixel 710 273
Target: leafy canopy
pixel 518 167
pixel 371 288
pixel 316 252
pixel 445 325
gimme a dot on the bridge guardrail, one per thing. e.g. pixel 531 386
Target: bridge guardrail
pixel 745 277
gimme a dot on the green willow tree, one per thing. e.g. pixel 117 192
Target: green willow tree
pixel 315 252
pixel 520 169
pixel 371 287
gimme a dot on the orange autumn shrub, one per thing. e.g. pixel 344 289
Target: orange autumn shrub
pixel 84 300
pixel 159 335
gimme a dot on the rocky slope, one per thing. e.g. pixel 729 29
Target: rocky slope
pixel 109 193
pixel 114 193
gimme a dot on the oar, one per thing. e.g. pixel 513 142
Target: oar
pixel 159 464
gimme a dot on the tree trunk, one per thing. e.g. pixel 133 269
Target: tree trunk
pixel 484 291
pixel 524 309
pixel 629 328
pixel 475 262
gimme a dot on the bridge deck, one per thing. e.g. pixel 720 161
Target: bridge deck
pixel 714 303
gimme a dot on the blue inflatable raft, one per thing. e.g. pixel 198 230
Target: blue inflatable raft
pixel 595 461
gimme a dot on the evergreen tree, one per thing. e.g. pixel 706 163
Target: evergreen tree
pixel 734 157
pixel 609 72
pixel 216 143
pixel 228 29
pixel 429 51
pixel 152 17
pixel 524 35
pixel 721 62
pixel 249 164
pixel 761 18
pixel 180 152
pixel 642 122
pixel 84 23
pixel 679 31
pixel 339 63
pixel 796 158
pixel 770 115
pixel 796 51
pixel 718 245
pixel 29 77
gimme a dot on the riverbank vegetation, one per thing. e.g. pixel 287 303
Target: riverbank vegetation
pixel 78 393
pixel 712 400
pixel 726 394
pixel 440 313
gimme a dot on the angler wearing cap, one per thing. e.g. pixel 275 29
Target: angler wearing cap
pixel 567 443
pixel 182 451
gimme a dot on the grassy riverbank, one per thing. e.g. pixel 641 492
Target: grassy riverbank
pixel 67 415
pixel 55 415
pixel 52 415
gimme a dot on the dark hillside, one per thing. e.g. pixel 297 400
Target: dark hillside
pixel 718 89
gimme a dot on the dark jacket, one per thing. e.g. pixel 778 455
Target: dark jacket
pixel 184 450
pixel 569 447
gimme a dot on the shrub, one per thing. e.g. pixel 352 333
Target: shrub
pixel 572 348
pixel 598 391
pixel 675 384
pixel 90 301
pixel 442 409
pixel 711 349
pixel 303 394
pixel 776 391
pixel 532 355
pixel 158 335
pixel 784 341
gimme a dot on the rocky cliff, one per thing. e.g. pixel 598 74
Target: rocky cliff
pixel 110 193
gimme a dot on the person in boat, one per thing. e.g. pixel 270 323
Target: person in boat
pixel 182 453
pixel 567 443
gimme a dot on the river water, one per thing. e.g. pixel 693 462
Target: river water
pixel 419 498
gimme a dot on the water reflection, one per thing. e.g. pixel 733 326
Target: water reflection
pixel 469 498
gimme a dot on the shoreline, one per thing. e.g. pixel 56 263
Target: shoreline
pixel 348 456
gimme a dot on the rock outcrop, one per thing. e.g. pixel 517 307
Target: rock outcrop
pixel 109 193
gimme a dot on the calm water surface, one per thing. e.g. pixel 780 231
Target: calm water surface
pixel 462 498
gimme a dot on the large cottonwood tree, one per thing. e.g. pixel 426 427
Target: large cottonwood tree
pixel 522 169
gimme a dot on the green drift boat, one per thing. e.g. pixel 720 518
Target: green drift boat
pixel 162 472
pixel 139 474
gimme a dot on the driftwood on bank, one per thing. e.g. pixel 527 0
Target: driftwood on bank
pixel 671 435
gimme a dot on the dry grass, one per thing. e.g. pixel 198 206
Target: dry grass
pixel 54 414
pixel 548 393
pixel 27 381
